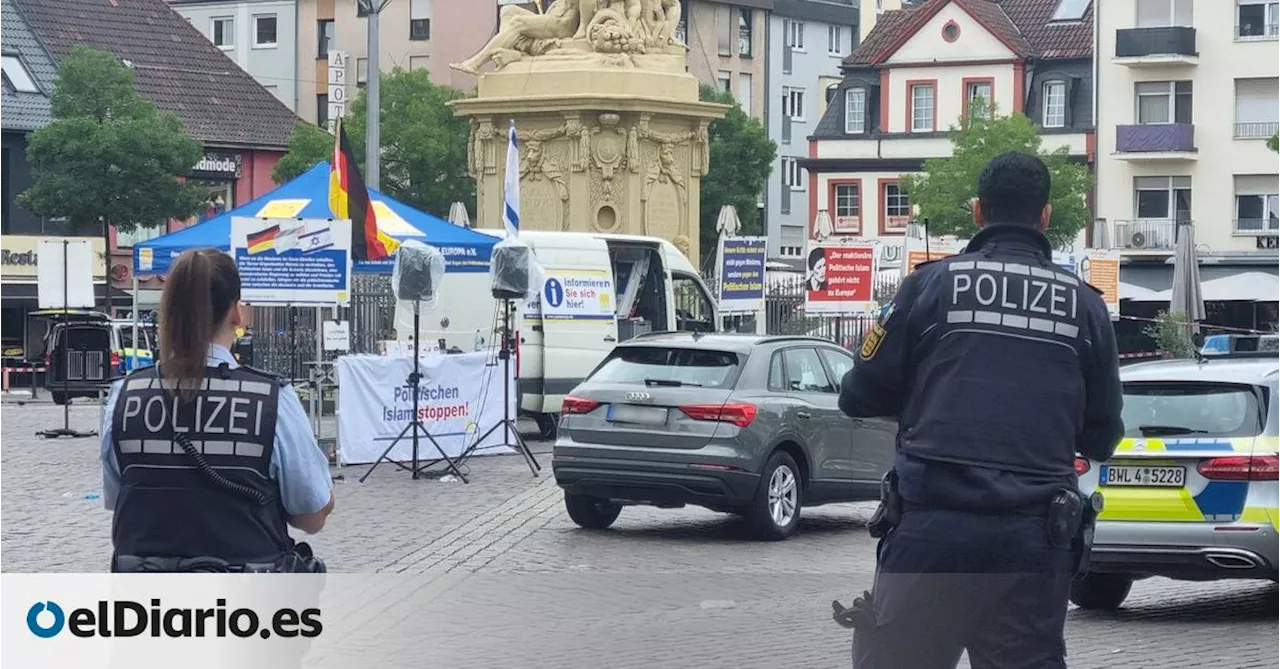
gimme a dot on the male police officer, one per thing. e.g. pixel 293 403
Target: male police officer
pixel 1000 367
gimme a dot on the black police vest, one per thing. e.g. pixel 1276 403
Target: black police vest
pixel 168 507
pixel 999 381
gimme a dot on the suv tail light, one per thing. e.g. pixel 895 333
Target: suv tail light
pixel 739 414
pixel 1082 466
pixel 577 405
pixel 115 360
pixel 1241 468
pixel 48 360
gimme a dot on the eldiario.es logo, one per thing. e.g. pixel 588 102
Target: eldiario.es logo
pixel 124 618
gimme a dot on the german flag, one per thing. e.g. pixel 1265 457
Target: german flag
pixel 348 198
pixel 264 240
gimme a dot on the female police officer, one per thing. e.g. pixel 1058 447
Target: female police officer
pixel 204 461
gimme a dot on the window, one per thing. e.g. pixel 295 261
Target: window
pixel 922 108
pixel 792 174
pixel 1164 13
pixel 1055 104
pixel 1070 10
pixel 1257 107
pixel 795 35
pixel 324 29
pixel 682 26
pixel 224 32
pixel 419 29
pixel 724 30
pixel 838 362
pixel 1257 19
pixel 777 380
pixel 805 373
pixel 855 111
pixel 848 206
pixel 1257 204
pixel 1166 409
pixel 793 103
pixel 835 39
pixel 897 208
pixel 1164 102
pixel 419 20
pixel 977 97
pixel 264 30
pixel 322 110
pixel 139 234
pixel 637 365
pixel 15 72
pixel 1162 198
pixel 724 81
pixel 745 85
pixel 744 33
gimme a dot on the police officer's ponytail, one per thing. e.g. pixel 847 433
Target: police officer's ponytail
pixel 200 290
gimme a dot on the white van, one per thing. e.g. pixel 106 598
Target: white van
pixel 600 289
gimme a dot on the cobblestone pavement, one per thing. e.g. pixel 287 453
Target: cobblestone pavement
pixel 515 583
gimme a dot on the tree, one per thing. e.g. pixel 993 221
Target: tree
pixel 1273 143
pixel 741 159
pixel 108 157
pixel 424 145
pixel 944 191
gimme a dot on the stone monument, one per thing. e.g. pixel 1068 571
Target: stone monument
pixel 611 133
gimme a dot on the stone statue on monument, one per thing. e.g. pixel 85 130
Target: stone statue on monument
pixel 593 30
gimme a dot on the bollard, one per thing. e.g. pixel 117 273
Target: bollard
pixel 102 406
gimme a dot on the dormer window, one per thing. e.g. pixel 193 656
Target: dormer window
pixel 855 111
pixel 16 74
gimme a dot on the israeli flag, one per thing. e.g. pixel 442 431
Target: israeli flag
pixel 511 185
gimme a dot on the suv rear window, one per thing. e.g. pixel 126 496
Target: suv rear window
pixel 1191 410
pixel 654 365
pixel 86 337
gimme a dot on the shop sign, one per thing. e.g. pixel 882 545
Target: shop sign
pixel 19 257
pixel 216 165
pixel 1268 243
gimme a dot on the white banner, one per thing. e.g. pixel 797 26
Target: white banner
pixel 297 261
pixel 460 399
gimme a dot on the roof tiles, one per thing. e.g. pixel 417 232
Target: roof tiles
pixel 174 66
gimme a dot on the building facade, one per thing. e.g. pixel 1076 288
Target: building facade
pixel 917 72
pixel 728 45
pixel 243 126
pixel 412 35
pixel 259 35
pixel 1187 96
pixel 808 40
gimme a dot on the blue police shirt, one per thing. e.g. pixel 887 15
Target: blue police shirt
pixel 297 462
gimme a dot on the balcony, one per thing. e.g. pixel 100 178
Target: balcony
pixel 1163 141
pixel 1148 234
pixel 1256 130
pixel 1156 47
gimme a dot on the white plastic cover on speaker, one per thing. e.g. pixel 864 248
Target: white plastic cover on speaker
pixel 418 271
pixel 514 269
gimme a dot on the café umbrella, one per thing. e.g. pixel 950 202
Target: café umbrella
pixel 1186 297
pixel 458 215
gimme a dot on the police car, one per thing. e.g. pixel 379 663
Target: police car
pixel 1191 492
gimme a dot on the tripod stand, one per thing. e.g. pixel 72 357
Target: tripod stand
pixel 65 430
pixel 508 423
pixel 415 425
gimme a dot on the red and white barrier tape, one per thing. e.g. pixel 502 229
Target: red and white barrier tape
pixel 6 371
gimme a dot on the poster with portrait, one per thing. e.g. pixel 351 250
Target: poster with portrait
pixel 839 279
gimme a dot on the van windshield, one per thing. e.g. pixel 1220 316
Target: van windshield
pixel 1185 409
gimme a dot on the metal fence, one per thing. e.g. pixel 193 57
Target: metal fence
pixel 285 341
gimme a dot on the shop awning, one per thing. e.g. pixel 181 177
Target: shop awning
pixel 1218 283
pixel 307 196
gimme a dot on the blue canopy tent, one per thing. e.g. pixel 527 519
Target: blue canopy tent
pixel 308 197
